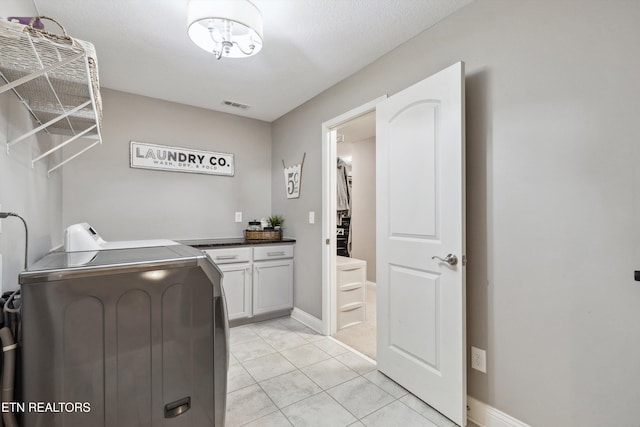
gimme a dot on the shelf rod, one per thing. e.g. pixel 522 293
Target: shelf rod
pixel 74 156
pixel 49 123
pixel 45 70
pixel 57 147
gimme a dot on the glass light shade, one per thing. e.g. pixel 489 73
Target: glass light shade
pixel 229 28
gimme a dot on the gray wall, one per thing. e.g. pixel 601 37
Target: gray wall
pixel 26 191
pixel 553 192
pixel 363 202
pixel 123 203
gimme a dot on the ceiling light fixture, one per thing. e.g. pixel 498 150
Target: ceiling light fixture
pixel 229 28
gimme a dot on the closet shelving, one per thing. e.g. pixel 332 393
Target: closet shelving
pixel 56 78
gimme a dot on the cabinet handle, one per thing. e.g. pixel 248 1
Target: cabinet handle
pixel 275 253
pixel 226 256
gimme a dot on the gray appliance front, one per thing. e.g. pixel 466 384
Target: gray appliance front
pixel 142 345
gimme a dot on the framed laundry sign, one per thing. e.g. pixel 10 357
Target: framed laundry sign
pixel 292 177
pixel 177 159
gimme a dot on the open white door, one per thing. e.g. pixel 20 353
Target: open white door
pixel 421 216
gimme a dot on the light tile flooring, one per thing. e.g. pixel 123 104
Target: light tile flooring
pixel 282 373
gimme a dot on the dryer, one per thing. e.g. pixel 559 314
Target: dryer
pixel 128 336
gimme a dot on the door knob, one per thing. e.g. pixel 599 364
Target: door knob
pixel 450 259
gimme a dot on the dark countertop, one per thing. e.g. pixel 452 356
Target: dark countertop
pixel 231 241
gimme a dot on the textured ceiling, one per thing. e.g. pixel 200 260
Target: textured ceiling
pixel 309 45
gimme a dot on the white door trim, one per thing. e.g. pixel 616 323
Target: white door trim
pixel 329 194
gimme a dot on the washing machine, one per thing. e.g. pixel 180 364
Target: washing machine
pixel 123 334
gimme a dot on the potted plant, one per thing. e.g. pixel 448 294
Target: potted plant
pixel 276 221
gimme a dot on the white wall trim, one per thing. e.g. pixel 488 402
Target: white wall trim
pixel 307 319
pixel 487 416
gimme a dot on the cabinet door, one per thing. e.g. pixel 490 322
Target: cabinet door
pixel 236 283
pixel 272 286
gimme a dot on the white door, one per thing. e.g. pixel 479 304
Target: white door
pixel 420 208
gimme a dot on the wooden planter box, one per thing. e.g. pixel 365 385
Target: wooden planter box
pixel 263 235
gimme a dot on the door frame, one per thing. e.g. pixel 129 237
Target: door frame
pixel 329 223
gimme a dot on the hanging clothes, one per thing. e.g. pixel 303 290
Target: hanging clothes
pixel 344 208
pixel 344 196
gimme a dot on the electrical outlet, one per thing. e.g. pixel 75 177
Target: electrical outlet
pixel 238 216
pixel 312 217
pixel 478 359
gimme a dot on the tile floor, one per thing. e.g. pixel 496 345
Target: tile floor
pixel 282 373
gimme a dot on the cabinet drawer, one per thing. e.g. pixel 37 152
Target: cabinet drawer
pixel 352 276
pixel 350 315
pixel 229 255
pixel 261 253
pixel 350 294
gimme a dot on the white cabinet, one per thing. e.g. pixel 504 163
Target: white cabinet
pixel 351 279
pixel 257 279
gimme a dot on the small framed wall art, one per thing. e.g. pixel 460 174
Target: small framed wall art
pixel 292 179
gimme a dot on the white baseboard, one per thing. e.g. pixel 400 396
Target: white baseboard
pixel 487 416
pixel 307 319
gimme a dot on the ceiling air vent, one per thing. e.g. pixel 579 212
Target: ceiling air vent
pixel 235 104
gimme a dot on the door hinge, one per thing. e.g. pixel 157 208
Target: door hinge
pixel 328 241
pixel 464 260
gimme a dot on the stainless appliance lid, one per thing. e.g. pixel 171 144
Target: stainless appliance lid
pixel 60 265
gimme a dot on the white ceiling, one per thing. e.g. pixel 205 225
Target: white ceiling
pixel 309 45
